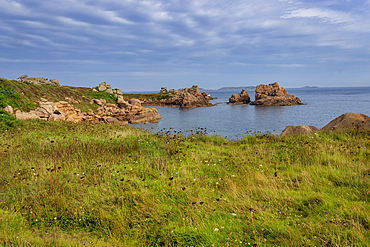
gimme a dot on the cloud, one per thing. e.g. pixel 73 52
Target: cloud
pixel 329 16
pixel 265 33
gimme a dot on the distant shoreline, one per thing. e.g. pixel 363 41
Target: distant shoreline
pixel 310 87
pixel 237 88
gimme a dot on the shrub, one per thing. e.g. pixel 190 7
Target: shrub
pixel 7 122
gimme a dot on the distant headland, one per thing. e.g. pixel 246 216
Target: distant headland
pixel 310 87
pixel 237 88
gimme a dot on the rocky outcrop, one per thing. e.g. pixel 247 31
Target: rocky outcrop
pixel 349 121
pixel 188 97
pixel 241 98
pixel 343 122
pixel 39 80
pixel 299 130
pixel 163 90
pixel 26 115
pixel 274 95
pixel 104 87
pixel 122 113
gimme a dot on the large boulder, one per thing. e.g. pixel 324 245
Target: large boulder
pixel 135 102
pixel 299 130
pixel 26 115
pixel 122 103
pixel 117 91
pixel 63 107
pixel 241 98
pixel 163 90
pixel 145 115
pixel 57 117
pixel 48 106
pixel 22 77
pixel 349 121
pixel 42 113
pixel 274 95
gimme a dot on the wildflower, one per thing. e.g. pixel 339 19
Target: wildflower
pixel 233 214
pixel 216 229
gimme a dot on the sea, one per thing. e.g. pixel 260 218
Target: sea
pixel 236 121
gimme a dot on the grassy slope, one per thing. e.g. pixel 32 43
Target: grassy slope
pixel 25 96
pixel 64 184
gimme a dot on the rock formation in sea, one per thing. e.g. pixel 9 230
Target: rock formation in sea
pixel 349 121
pixel 274 95
pixel 187 97
pixel 241 98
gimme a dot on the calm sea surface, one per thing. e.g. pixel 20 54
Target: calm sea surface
pixel 233 121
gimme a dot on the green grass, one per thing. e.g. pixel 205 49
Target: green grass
pixel 25 96
pixel 65 184
pixel 8 122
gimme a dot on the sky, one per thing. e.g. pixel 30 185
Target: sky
pixel 143 45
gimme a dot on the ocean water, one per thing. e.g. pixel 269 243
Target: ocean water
pixel 233 121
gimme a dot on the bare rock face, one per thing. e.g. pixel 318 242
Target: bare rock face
pixel 135 102
pixel 26 115
pixel 274 95
pixel 122 113
pixel 102 86
pixel 39 80
pixel 117 91
pixel 63 107
pixel 122 104
pixel 57 117
pixel 42 113
pixel 349 121
pixel 241 98
pixel 48 106
pixel 299 130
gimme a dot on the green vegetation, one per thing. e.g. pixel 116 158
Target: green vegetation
pixel 8 122
pixel 25 96
pixel 65 184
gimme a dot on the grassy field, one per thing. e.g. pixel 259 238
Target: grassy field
pixel 65 184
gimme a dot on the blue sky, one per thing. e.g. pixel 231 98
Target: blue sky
pixel 147 44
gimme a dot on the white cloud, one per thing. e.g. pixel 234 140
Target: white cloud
pixel 330 16
pixel 12 8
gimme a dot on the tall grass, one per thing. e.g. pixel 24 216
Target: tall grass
pixel 64 184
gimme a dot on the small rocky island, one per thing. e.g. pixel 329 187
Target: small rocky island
pixel 274 95
pixel 187 97
pixel 241 98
